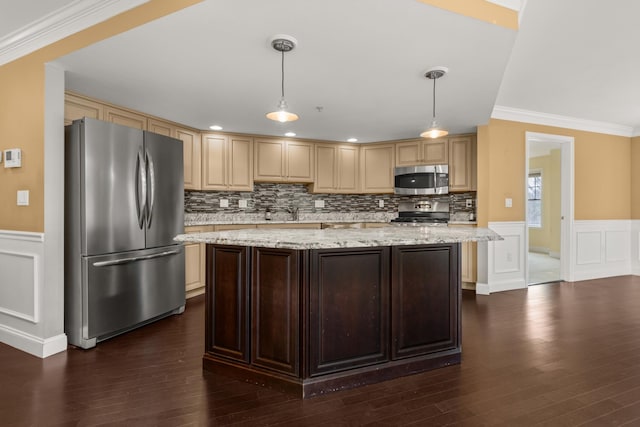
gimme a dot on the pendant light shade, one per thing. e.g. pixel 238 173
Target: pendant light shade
pixel 435 131
pixel 282 43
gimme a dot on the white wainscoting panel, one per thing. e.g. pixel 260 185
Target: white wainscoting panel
pixel 20 263
pixel 588 247
pixel 504 259
pixel 19 289
pixel 603 248
pixel 21 326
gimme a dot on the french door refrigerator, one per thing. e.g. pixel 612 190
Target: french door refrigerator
pixel 124 204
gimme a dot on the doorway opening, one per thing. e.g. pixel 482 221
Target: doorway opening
pixel 549 210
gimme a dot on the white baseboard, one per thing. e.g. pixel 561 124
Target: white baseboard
pixel 483 289
pixel 31 344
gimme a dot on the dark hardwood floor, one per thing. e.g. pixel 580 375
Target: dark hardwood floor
pixel 557 355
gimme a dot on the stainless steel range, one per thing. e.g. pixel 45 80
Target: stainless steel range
pixel 426 212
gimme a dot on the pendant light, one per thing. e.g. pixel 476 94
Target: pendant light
pixel 434 130
pixel 282 43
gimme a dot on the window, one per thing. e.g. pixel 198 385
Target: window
pixel 534 195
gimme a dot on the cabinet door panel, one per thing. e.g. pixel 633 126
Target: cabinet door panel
pixel 460 164
pixel 435 152
pixel 409 153
pixel 376 168
pixel 76 108
pixel 227 332
pixel 348 167
pixel 124 117
pixel 325 168
pixel 269 160
pixel 192 161
pixel 348 325
pixel 214 162
pixel 299 161
pixel 425 299
pixel 275 309
pixel 240 164
pixel 160 127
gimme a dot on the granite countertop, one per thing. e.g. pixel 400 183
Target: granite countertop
pixel 343 238
pixel 192 219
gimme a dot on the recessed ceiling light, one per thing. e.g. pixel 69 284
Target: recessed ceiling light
pixel 352 140
pixel 215 127
pixel 290 134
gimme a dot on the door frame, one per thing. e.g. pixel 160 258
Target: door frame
pixel 567 198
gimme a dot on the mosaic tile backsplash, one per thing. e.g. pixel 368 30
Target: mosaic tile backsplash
pixel 281 197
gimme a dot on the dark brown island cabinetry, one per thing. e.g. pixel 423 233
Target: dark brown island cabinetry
pixel 320 320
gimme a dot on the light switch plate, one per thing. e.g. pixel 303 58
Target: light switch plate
pixel 242 203
pixel 224 203
pixel 508 202
pixel 381 203
pixel 319 203
pixel 469 203
pixel 23 197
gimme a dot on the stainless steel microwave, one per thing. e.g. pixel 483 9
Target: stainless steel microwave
pixel 426 179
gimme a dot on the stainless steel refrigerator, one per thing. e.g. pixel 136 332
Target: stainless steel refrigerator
pixel 124 204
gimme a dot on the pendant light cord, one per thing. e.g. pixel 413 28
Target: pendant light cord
pixel 282 83
pixel 434 98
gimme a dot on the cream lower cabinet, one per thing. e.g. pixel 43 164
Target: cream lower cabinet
pixel 277 160
pixel 422 152
pixel 376 168
pixel 227 163
pixel 194 263
pixel 469 255
pixel 462 163
pixel 469 267
pixel 337 168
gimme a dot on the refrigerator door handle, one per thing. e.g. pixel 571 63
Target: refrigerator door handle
pixel 134 259
pixel 152 190
pixel 141 189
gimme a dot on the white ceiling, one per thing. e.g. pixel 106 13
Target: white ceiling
pixel 363 62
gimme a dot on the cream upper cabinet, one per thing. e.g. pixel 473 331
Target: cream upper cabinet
pixel 226 163
pixel 160 127
pixel 125 117
pixel 336 168
pixel 77 107
pixel 190 146
pixel 283 161
pixel 376 168
pixel 461 163
pixel 422 152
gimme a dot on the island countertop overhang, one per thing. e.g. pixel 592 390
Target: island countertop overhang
pixel 302 239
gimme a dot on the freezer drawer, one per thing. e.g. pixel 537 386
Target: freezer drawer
pixel 127 289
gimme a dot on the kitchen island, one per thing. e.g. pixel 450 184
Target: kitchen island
pixel 315 311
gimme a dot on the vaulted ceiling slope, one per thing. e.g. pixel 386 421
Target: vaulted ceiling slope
pixel 362 62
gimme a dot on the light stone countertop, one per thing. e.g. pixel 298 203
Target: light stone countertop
pixel 343 238
pixel 192 219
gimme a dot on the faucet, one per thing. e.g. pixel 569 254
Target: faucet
pixel 293 210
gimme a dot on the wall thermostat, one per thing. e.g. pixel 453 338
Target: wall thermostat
pixel 13 158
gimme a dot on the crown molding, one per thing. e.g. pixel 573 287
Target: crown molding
pixel 535 117
pixel 70 19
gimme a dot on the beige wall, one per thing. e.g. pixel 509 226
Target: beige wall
pixel 22 111
pixel 602 172
pixel 548 236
